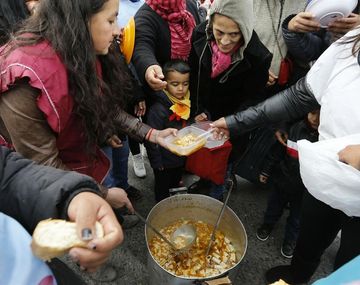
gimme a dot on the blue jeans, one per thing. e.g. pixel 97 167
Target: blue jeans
pixel 118 174
pixel 285 191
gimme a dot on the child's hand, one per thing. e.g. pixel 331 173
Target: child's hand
pixel 140 109
pixel 272 78
pixel 263 179
pixel 282 137
pixel 201 118
pixel 114 141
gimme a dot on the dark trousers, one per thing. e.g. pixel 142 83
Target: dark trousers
pixel 63 274
pixel 319 226
pixel 285 192
pixel 166 179
pixel 134 146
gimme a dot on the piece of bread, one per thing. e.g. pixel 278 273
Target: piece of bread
pixel 280 282
pixel 53 238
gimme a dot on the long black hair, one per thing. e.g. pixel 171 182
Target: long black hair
pixel 64 23
pixel 12 13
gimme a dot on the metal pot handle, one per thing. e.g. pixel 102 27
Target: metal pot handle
pixel 178 191
pixel 219 281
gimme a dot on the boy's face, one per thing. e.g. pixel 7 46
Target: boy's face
pixel 177 84
pixel 314 119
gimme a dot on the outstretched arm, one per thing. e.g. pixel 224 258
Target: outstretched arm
pixel 290 104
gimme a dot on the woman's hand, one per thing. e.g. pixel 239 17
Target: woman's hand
pixel 85 209
pixel 118 198
pixel 140 109
pixel 343 25
pixel 351 155
pixel 158 137
pixel 154 77
pixel 303 22
pixel 221 129
pixel 114 141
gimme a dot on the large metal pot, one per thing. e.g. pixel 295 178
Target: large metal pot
pixel 194 207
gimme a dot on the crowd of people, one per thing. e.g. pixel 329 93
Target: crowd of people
pixel 72 108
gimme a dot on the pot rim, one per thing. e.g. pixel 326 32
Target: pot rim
pixel 193 277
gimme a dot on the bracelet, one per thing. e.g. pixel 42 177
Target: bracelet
pixel 156 136
pixel 148 135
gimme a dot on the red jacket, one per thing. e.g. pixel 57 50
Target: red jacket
pixel 47 73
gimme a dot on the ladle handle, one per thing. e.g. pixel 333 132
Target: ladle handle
pixel 212 238
pixel 155 230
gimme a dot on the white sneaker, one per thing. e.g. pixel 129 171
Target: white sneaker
pixel 138 164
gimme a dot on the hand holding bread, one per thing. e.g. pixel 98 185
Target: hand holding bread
pixel 89 240
pixel 54 238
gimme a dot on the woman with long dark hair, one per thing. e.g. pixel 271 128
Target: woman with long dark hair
pixel 12 12
pixel 63 89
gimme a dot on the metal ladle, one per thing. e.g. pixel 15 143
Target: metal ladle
pixel 185 235
pixel 212 238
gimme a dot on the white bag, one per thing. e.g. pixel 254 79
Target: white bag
pixel 326 178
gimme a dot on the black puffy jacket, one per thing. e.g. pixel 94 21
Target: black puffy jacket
pixel 288 105
pixel 30 193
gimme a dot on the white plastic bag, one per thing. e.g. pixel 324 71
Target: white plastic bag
pixel 326 178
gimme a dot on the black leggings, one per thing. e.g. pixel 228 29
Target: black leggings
pixel 166 179
pixel 134 146
pixel 319 226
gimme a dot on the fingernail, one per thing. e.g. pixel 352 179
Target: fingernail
pixel 82 268
pixel 86 234
pixel 92 246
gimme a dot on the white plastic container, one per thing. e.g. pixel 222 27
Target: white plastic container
pixel 186 142
pixel 327 11
pixel 210 142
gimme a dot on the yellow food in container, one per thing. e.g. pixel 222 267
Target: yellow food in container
pixel 186 142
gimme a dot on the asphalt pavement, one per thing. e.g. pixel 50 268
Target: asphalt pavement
pixel 247 200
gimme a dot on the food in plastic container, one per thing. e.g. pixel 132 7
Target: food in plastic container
pixel 187 141
pixel 210 142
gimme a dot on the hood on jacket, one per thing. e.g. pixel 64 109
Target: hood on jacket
pixel 241 12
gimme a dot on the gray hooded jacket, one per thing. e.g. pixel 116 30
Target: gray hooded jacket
pixel 241 12
pixel 243 83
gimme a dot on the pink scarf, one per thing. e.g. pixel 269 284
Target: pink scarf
pixel 220 61
pixel 181 24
